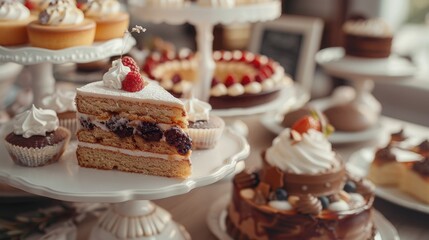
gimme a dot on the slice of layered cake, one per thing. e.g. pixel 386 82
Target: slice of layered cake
pixel 133 126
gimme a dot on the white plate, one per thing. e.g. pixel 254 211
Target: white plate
pixel 334 61
pixel 294 96
pixel 217 214
pixel 359 164
pixel 65 180
pixel 272 121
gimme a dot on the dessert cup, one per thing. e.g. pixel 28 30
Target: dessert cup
pixel 207 134
pixel 110 27
pixel 14 32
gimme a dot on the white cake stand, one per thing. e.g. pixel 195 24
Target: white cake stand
pixel 204 18
pixel 40 61
pixel 131 215
pixel 363 72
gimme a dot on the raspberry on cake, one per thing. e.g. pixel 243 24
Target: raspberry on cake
pixel 301 192
pixel 132 125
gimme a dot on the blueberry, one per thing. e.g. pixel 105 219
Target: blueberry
pixel 150 131
pixel 324 201
pixel 179 139
pixel 281 194
pixel 119 126
pixel 350 187
pixel 85 123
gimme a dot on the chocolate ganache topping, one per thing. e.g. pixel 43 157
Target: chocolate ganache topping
pixel 385 154
pixel 422 167
pixel 424 146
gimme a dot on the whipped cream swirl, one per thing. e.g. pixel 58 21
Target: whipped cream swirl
pixel 35 121
pixel 100 8
pixel 116 74
pixel 197 110
pixel 13 10
pixel 61 12
pixel 371 27
pixel 60 101
pixel 311 155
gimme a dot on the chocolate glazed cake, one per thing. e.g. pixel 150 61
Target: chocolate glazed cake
pixel 290 199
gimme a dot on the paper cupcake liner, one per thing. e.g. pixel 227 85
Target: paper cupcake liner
pixel 70 124
pixel 35 157
pixel 206 138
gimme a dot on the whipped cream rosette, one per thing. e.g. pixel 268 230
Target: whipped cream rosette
pixel 36 139
pixel 61 12
pixel 62 102
pixel 204 129
pixel 370 27
pixel 14 17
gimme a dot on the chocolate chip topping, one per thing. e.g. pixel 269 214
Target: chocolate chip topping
pixel 385 154
pixel 398 136
pixel 273 177
pixel 422 167
pixel 36 141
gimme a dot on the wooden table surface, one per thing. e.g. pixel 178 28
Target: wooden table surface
pixel 191 209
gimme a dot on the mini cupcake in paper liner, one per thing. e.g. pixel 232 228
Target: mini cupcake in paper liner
pixel 68 120
pixel 206 134
pixel 37 150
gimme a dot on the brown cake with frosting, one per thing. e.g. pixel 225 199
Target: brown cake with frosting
pixel 301 192
pixel 241 79
pixel 370 38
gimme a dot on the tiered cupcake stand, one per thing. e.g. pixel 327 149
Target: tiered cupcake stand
pixel 132 215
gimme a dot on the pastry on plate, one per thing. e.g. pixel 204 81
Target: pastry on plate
pixel 131 124
pixel 350 117
pixel 36 139
pixel 415 180
pixel 61 25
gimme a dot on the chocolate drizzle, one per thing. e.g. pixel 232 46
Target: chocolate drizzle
pixel 422 167
pixel 423 147
pixel 398 136
pixel 385 155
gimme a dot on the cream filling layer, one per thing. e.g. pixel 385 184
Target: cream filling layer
pixel 135 153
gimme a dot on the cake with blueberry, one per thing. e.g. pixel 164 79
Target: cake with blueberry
pixel 132 125
pixel 241 79
pixel 368 38
pixel 301 192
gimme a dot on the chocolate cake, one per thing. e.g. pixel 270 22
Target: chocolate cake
pixel 301 192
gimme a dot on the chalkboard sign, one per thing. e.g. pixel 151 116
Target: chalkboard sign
pixel 293 42
pixel 283 47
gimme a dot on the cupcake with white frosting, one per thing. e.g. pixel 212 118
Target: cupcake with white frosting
pixel 61 25
pixel 204 129
pixel 62 102
pixel 14 17
pixel 36 139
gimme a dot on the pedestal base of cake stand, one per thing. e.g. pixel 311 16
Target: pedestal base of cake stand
pixel 43 81
pixel 364 87
pixel 137 220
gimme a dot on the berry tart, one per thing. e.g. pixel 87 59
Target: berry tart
pixel 241 79
pixel 204 129
pixel 301 192
pixel 36 139
pixel 14 18
pixel 132 125
pixel 61 25
pixel 110 20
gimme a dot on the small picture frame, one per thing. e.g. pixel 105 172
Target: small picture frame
pixel 293 42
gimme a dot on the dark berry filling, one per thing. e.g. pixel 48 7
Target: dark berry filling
pixel 149 131
pixel 120 127
pixel 86 123
pixel 180 140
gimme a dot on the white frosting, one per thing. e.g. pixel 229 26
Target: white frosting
pixel 217 3
pixel 280 205
pixel 116 74
pixel 197 110
pixel 235 89
pixel 338 206
pixel 136 153
pixel 61 12
pixel 164 3
pixel 60 101
pixel 371 27
pixel 253 88
pixel 312 155
pixel 13 10
pixel 151 93
pixel 218 90
pixel 100 8
pixel 267 84
pixel 35 121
